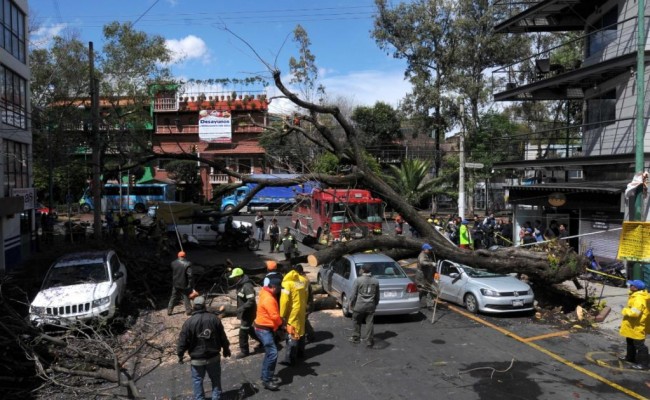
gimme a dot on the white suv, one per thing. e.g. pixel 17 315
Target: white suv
pixel 80 287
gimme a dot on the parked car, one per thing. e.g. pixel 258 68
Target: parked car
pixel 80 287
pixel 398 294
pixel 481 290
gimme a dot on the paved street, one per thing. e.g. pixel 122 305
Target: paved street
pixel 460 356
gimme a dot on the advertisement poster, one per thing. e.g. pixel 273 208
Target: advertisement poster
pixel 215 126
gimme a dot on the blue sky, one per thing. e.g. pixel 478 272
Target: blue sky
pixel 349 61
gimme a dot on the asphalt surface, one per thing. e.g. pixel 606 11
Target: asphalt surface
pixel 459 356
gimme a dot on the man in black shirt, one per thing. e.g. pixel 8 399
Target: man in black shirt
pixel 202 337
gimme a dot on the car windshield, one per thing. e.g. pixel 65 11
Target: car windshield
pixel 480 273
pixel 75 274
pixel 383 270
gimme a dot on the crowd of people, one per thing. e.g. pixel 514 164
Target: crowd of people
pixel 484 232
pixel 276 318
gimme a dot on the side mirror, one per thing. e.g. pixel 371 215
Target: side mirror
pixel 454 275
pixel 118 275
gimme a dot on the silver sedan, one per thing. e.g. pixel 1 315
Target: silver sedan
pixel 398 294
pixel 480 290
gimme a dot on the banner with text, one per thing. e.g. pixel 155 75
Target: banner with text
pixel 215 126
pixel 634 244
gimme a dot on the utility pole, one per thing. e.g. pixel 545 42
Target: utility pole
pixel 639 163
pixel 94 113
pixel 461 167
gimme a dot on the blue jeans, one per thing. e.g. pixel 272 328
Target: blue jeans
pixel 270 354
pixel 198 373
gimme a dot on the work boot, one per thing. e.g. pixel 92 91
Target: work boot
pixel 170 312
pixel 625 359
pixel 270 386
pixel 353 340
pixel 242 354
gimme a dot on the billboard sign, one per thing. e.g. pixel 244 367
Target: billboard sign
pixel 215 126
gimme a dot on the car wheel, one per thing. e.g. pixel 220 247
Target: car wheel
pixel 471 304
pixel 345 306
pixel 85 208
pixel 229 208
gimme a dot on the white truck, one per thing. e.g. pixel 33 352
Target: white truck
pixel 198 223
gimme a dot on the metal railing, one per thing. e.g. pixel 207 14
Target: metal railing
pixel 586 140
pixel 507 9
pixel 553 62
pixel 165 104
pixel 174 129
pixel 219 179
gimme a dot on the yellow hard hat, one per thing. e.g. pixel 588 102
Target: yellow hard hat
pixel 430 220
pixel 237 272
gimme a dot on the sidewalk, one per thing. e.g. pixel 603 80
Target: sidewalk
pixel 614 297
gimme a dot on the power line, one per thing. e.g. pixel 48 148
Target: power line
pixel 144 13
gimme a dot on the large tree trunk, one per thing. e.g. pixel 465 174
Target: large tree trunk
pixel 534 264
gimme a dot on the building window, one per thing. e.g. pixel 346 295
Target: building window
pixel 13 98
pixel 601 109
pixel 12 29
pixel 245 166
pixel 602 32
pixel 15 161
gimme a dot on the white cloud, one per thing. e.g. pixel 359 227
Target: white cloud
pixel 187 48
pixel 43 36
pixel 363 88
pixel 368 87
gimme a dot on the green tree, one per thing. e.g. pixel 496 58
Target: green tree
pixel 186 175
pixel 60 85
pixel 380 123
pixel 412 180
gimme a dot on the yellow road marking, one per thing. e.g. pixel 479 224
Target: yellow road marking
pixel 546 336
pixel 550 354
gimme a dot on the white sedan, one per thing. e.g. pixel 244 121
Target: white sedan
pixel 481 290
pixel 80 287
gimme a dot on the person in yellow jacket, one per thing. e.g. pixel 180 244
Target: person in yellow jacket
pixel 466 241
pixel 635 324
pixel 293 309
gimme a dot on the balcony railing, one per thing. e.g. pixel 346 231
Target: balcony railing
pixel 604 44
pixel 165 104
pixel 220 179
pixel 614 137
pixel 510 8
pixel 183 129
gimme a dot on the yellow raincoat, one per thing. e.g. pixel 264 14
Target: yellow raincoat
pixel 293 303
pixel 635 315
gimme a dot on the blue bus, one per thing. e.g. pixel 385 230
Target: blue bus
pixel 136 198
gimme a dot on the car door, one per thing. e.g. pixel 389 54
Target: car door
pixel 340 275
pixel 202 230
pixel 326 277
pixel 450 286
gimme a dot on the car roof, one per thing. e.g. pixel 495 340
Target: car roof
pixel 78 257
pixel 369 257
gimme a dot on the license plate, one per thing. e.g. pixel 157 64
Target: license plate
pixel 517 303
pixel 390 293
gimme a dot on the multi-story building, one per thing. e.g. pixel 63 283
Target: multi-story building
pixel 224 128
pixel 16 192
pixel 576 174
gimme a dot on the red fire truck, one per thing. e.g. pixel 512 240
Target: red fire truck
pixel 352 209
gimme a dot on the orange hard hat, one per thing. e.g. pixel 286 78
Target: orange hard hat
pixel 271 265
pixel 181 254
